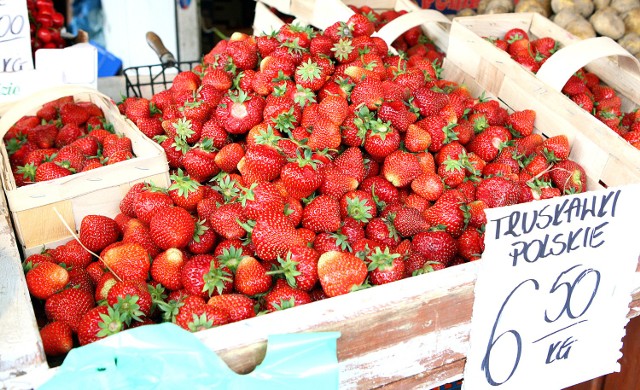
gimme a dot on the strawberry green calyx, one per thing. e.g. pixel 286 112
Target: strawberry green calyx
pixel 309 71
pixel 285 121
pixel 28 172
pixel 180 144
pixel 226 186
pixel 449 134
pixel 158 294
pixel 206 144
pixel 293 46
pixel 215 279
pixel 306 158
pixel 184 185
pixel 200 323
pixel 285 304
pixel 342 241
pixel 169 309
pixel 201 228
pixel 429 266
pixel 304 96
pixel 381 129
pixel 247 194
pixel 288 268
pixel 359 209
pixel 14 144
pixel 342 49
pixel 381 260
pixel 267 137
pixel 230 257
pixel 183 128
pixel 112 322
pixel 129 308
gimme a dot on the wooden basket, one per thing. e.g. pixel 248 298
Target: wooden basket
pixel 265 21
pixel 609 158
pixel 97 191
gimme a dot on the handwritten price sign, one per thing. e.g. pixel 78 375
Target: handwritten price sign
pixel 15 38
pixel 553 291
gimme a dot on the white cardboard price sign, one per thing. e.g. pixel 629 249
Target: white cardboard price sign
pixel 15 37
pixel 553 291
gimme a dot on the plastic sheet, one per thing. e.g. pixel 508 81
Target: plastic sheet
pixel 165 356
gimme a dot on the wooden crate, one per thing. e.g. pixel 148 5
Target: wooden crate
pixel 265 21
pixel 616 160
pixel 98 191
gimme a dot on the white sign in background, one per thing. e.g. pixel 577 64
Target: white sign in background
pixel 15 37
pixel 553 291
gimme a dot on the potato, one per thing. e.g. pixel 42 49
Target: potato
pixel 563 18
pixel 466 12
pixel 632 21
pixel 631 42
pixel 623 6
pixel 583 7
pixel 482 6
pixel 599 4
pixel 581 28
pixel 531 6
pixel 607 22
pixel 499 6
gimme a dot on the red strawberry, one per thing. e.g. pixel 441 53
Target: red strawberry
pixel 225 221
pixel 68 134
pixel 398 114
pixel 556 148
pixel 569 177
pixel 274 235
pixel 428 185
pixel 73 113
pixel 69 306
pixel 199 160
pixel 383 231
pixel 497 191
pixel 129 261
pixel 50 171
pixel 283 296
pixel 57 338
pixel 72 254
pixel 358 205
pixel 147 203
pixel 471 244
pixel 301 177
pixel 322 214
pixel 238 306
pixel 437 246
pixel 409 222
pixel 229 156
pixel 251 277
pixel 98 323
pixel 81 279
pixel 172 227
pixel 204 239
pixel 401 168
pixel 261 163
pixel 132 299
pixel 385 267
pixel 204 276
pixel 45 279
pixel 184 191
pixel 339 273
pixel 97 232
pixel 239 112
pixel 521 122
pixel 166 268
pixel 487 144
pixel 381 140
pixel 299 267
pixel 368 92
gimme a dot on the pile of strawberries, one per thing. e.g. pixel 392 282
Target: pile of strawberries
pixel 584 87
pixel 304 165
pixel 64 137
pixel 45 23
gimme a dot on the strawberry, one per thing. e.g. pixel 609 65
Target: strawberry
pixel 487 144
pixel 184 191
pixel 322 214
pixel 301 176
pixel 437 246
pixel 166 268
pixel 251 277
pixel 238 306
pixel 261 198
pixel 50 171
pixel 408 221
pixel 360 25
pixel 57 338
pixel 204 238
pixel 381 189
pixel 556 148
pixel 73 113
pixel 274 235
pixel 204 276
pixel 45 279
pixel 471 244
pixel 383 231
pixel 447 213
pixel 398 114
pixel 199 160
pixel 98 323
pixel 97 232
pixel 299 267
pixel 310 75
pixel 569 177
pixel 68 306
pixel 239 112
pixel 172 227
pixel 72 254
pixel 324 135
pixel 283 296
pixel 340 273
pixel 81 279
pixel 497 191
pixel 335 108
pixel 368 92
pixel 147 203
pixel 132 299
pixel 43 136
pixel 229 156
pixel 351 162
pixel 521 122
pixel 428 185
pixel 401 168
pixel 261 163
pixel 226 219
pixel 199 316
pixel 129 261
pixel 70 157
pixel 358 206
pixel 381 140
pixel 385 267
pixel 67 134
pixel 137 232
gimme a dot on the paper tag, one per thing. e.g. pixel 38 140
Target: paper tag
pixel 553 291
pixel 15 37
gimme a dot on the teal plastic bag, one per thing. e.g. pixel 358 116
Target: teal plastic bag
pixel 165 356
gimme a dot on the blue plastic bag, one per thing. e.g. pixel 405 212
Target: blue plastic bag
pixel 165 356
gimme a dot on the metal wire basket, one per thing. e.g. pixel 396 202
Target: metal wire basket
pixel 147 80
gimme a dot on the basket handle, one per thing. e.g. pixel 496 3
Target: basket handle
pixel 557 70
pixel 398 26
pixel 165 56
pixel 27 104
